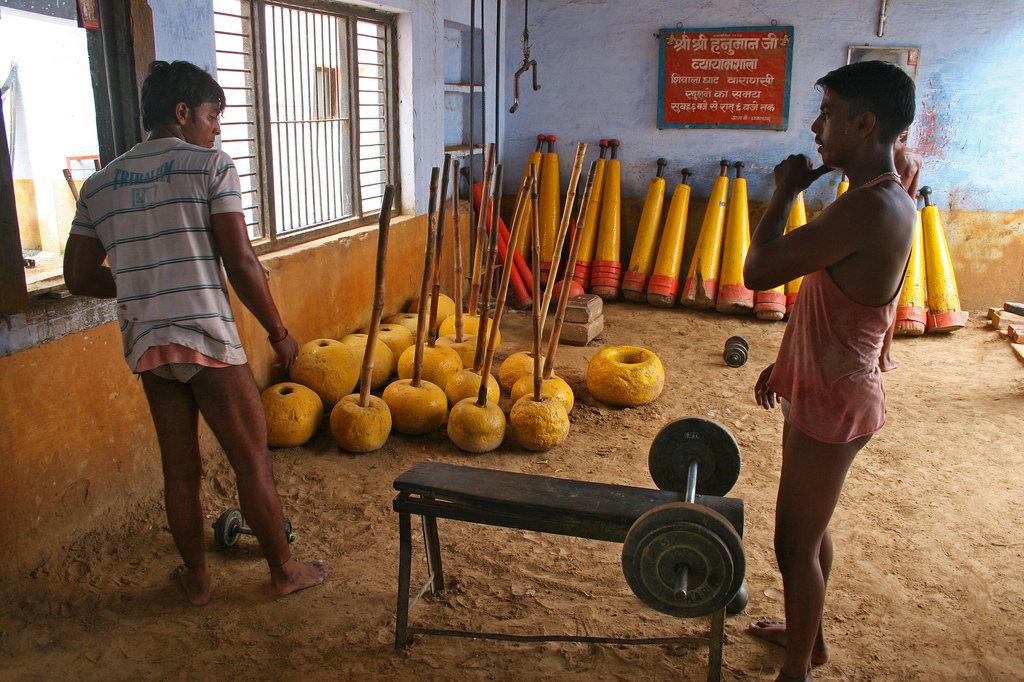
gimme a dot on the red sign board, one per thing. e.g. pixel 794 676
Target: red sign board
pixel 725 77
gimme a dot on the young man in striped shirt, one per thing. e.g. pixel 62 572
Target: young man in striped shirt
pixel 167 215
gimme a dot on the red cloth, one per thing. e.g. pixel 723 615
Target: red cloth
pixel 827 366
pixel 174 353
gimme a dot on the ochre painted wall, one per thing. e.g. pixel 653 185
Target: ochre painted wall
pixel 76 440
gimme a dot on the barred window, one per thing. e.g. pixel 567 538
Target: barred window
pixel 310 114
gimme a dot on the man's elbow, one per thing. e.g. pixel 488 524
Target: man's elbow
pixel 753 278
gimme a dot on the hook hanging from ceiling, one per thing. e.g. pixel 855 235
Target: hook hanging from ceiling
pixel 527 62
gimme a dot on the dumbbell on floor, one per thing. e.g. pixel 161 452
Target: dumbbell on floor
pixel 230 526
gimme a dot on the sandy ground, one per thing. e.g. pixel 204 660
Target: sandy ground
pixel 927 585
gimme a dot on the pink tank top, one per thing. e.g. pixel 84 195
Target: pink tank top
pixel 828 362
pixel 827 366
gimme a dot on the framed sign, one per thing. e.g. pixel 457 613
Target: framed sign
pixel 725 77
pixel 904 57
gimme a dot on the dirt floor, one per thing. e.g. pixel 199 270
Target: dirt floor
pixel 928 582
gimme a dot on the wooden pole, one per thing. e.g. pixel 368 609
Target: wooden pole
pixel 563 228
pixel 563 296
pixel 383 228
pixel 428 264
pixel 436 294
pixel 506 275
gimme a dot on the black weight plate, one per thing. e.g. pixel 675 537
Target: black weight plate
pixel 707 441
pixel 225 529
pixel 679 533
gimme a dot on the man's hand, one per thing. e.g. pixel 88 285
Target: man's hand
pixel 765 396
pixel 287 349
pixel 795 174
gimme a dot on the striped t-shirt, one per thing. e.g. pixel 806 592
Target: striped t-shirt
pixel 151 209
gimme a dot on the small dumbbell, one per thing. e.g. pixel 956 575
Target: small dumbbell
pixel 230 526
pixel 736 350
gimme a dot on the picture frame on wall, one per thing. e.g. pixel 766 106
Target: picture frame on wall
pixel 907 58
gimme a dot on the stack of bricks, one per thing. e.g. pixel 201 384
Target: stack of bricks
pixel 583 321
pixel 1009 320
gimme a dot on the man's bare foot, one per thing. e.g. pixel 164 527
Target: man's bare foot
pixel 775 632
pixel 294 576
pixel 197 586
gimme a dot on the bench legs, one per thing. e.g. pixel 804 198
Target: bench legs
pixel 435 581
pixel 404 569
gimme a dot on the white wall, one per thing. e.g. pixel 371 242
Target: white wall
pixel 598 67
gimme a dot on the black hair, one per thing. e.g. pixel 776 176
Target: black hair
pixel 882 88
pixel 168 84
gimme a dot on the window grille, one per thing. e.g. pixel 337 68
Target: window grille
pixel 324 137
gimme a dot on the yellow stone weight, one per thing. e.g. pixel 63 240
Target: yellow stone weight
pixel 396 336
pixel 539 426
pixel 465 348
pixel 554 387
pixel 360 429
pixel 515 367
pixel 440 364
pixel 466 384
pixel 294 413
pixel 407 320
pixel 415 410
pixel 384 361
pixel 625 376
pixel 328 367
pixel 470 326
pixel 445 308
pixel 476 429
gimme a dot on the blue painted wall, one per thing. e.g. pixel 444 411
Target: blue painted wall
pixel 598 66
pixel 183 29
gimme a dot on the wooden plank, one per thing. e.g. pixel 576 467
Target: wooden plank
pixel 580 508
pixel 13 287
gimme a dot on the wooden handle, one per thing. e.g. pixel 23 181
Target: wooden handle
pixel 563 228
pixel 537 328
pixel 506 275
pixel 428 265
pixel 484 293
pixel 436 293
pixel 457 215
pixel 563 297
pixel 481 229
pixel 383 228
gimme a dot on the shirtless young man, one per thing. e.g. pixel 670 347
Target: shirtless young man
pixel 908 164
pixel 852 256
pixel 168 215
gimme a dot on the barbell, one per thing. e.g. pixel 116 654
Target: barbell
pixel 682 558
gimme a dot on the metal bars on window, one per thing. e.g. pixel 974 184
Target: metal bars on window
pixel 238 133
pixel 324 77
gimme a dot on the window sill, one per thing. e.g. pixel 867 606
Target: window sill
pixel 49 318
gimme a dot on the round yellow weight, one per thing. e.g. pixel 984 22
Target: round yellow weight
pixel 396 336
pixel 294 413
pixel 407 320
pixel 554 387
pixel 476 429
pixel 539 426
pixel 328 367
pixel 384 361
pixel 360 429
pixel 445 308
pixel 440 364
pixel 515 367
pixel 415 410
pixel 625 376
pixel 470 326
pixel 465 348
pixel 466 384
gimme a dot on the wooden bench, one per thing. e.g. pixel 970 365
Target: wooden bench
pixel 544 504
